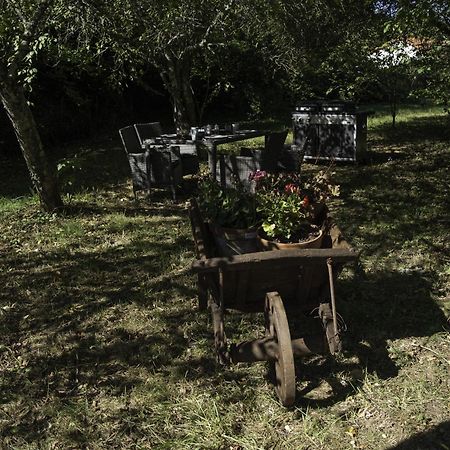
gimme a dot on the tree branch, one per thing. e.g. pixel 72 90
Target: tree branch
pixel 209 30
pixel 29 33
pixel 442 26
pixel 18 12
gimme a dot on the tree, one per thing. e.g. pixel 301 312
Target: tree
pixel 62 30
pixel 393 72
pixel 176 37
pixel 189 39
pixel 322 47
pixel 427 24
pixel 21 37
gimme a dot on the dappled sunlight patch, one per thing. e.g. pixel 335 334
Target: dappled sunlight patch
pixel 103 345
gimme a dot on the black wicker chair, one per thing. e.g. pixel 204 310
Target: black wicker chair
pixel 235 170
pixel 147 130
pixel 157 166
pixel 268 159
pixel 164 168
pixel 136 158
pixel 130 140
pixel 291 159
pixel 189 158
pixel 273 148
pixel 276 157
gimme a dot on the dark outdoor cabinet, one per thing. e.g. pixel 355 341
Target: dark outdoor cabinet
pixel 330 131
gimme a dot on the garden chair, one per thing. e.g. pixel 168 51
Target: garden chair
pixel 273 148
pixel 189 158
pixel 291 159
pixel 233 170
pixel 147 131
pixel 137 159
pixel 130 140
pixel 155 167
pixel 164 168
pixel 268 159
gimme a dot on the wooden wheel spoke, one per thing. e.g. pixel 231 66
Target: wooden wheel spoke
pixel 277 326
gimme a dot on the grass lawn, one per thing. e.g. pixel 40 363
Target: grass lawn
pixel 102 347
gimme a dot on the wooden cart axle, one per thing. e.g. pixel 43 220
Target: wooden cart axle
pixel 266 349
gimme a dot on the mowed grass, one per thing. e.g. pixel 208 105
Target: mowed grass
pixel 102 345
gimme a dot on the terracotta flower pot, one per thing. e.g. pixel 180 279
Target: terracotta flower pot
pixel 314 242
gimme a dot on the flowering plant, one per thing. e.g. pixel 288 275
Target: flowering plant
pixel 226 207
pixel 285 203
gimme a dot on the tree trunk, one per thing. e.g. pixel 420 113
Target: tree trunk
pixel 177 78
pixel 394 100
pixel 42 170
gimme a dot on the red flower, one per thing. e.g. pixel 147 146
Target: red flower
pixel 291 188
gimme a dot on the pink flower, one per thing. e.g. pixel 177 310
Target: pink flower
pixel 291 188
pixel 257 175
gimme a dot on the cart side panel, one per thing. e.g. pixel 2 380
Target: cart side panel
pixel 301 288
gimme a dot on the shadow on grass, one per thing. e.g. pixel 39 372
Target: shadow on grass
pixel 129 209
pixel 100 165
pixel 437 437
pixel 377 309
pixel 68 304
pixel 415 130
pixel 86 324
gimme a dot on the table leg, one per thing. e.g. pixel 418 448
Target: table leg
pixel 212 159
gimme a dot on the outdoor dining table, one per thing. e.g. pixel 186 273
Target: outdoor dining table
pixel 209 141
pixel 164 139
pixel 213 140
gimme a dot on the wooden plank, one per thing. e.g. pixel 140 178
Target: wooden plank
pixel 241 288
pixel 202 243
pixel 275 259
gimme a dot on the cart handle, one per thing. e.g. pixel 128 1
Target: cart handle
pixel 275 259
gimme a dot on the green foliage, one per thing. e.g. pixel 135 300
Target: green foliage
pixel 227 207
pixel 286 202
pixel 427 24
pixel 69 171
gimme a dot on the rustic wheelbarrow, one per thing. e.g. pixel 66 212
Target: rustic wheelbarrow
pixel 274 282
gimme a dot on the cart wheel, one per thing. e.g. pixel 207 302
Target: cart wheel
pixel 277 326
pixel 333 339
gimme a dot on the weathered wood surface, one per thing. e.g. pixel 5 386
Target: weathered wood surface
pixel 300 276
pixel 274 259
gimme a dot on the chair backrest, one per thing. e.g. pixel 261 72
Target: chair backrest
pixel 291 159
pixel 130 140
pixel 275 141
pixel 272 150
pixel 232 170
pixel 189 158
pixel 164 166
pixel 147 130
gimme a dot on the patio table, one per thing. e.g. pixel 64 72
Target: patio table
pixel 164 139
pixel 213 140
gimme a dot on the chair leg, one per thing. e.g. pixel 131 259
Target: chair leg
pixel 174 192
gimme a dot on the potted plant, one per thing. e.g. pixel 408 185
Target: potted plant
pixel 231 216
pixel 291 208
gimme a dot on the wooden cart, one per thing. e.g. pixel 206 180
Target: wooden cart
pixel 276 283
